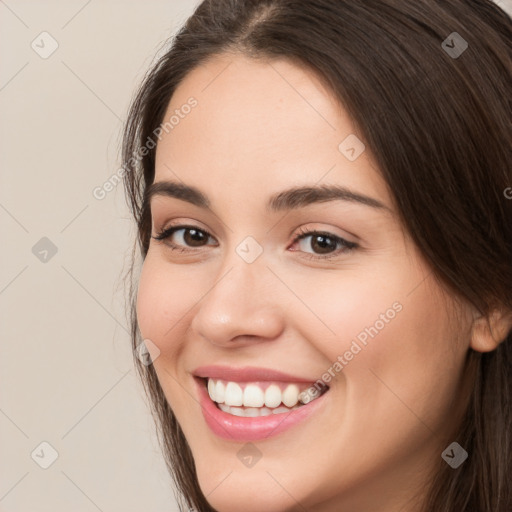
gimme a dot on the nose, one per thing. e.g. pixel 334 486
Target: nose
pixel 241 306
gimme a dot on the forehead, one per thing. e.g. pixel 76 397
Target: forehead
pixel 259 123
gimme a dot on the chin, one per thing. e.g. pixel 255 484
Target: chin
pixel 242 501
pixel 235 488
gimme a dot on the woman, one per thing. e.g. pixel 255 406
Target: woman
pixel 320 189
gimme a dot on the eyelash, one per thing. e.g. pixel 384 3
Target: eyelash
pixel 303 233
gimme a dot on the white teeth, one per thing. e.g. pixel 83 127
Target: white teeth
pixel 253 396
pixel 233 394
pixel 279 410
pixel 272 396
pixel 256 400
pixel 220 392
pixel 224 407
pixel 211 390
pixel 291 395
pixel 304 397
pixel 253 412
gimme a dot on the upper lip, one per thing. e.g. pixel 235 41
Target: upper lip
pixel 246 374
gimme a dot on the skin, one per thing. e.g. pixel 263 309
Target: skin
pixel 259 128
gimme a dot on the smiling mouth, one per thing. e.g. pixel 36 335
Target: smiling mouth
pixel 260 398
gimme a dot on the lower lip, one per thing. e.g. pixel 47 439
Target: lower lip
pixel 238 428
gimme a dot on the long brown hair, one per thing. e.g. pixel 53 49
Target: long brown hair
pixel 439 126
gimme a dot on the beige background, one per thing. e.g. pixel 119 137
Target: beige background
pixel 66 375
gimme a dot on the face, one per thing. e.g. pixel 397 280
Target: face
pixel 262 294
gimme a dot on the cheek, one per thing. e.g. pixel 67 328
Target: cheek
pixel 163 299
pixel 423 341
pixel 386 335
pixel 350 313
pixel 408 367
pixel 149 303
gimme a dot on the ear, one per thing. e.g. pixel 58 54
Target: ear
pixel 488 332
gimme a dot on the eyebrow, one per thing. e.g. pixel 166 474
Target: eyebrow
pixel 293 198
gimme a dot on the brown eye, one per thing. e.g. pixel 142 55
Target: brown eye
pixel 186 236
pixel 323 245
pixel 194 237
